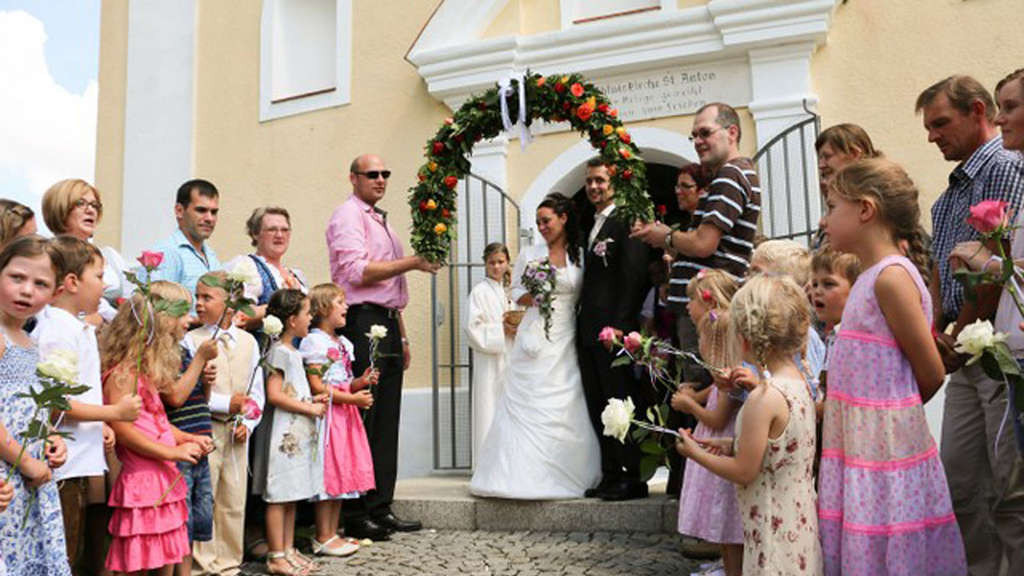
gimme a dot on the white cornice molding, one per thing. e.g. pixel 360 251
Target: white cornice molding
pixel 721 29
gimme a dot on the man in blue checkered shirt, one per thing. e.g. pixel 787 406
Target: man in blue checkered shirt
pixel 958 115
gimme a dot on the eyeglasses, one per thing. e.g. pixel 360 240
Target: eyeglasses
pixel 681 187
pixel 374 174
pixel 703 133
pixel 94 204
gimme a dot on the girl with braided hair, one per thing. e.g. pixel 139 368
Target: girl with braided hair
pixel 884 503
pixel 771 459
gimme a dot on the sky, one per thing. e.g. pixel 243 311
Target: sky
pixel 49 61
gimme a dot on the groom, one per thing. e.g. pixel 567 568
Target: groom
pixel 615 281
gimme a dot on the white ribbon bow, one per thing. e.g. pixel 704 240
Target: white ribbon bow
pixel 505 89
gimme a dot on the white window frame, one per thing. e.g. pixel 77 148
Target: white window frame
pixel 339 96
pixel 567 9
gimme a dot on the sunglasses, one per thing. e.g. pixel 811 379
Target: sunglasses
pixel 374 174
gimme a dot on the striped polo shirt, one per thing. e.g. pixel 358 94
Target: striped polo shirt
pixel 733 204
pixel 194 415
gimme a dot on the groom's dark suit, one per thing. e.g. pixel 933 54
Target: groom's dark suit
pixel 613 292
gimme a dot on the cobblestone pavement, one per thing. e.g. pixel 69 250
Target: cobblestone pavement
pixel 444 552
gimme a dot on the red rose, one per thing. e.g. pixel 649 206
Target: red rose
pixel 151 260
pixel 438 147
pixel 627 174
pixel 423 206
pixel 422 176
pixel 577 89
pixel 625 153
pixel 559 87
pixel 445 213
pixel 459 138
pixel 626 138
pixel 613 113
pixel 451 181
pixel 566 105
pixel 662 209
pixel 585 111
pixel 602 107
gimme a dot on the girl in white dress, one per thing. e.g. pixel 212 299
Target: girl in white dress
pixel 488 337
pixel 294 471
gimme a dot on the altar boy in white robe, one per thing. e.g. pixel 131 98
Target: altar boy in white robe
pixel 489 334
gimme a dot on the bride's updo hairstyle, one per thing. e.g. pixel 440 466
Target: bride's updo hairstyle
pixel 772 314
pixel 560 204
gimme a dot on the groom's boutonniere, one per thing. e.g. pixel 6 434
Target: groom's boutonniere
pixel 601 249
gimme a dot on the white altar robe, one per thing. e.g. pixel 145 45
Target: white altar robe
pixel 487 306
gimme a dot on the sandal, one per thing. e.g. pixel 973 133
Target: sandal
pixel 299 560
pixel 326 548
pixel 293 570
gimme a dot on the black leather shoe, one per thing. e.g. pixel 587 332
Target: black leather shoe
pixel 366 528
pixel 396 524
pixel 625 490
pixel 597 490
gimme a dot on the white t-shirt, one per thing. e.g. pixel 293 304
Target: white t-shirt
pixel 1008 319
pixel 58 329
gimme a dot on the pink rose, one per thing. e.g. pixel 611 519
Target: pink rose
pixel 151 260
pixel 633 342
pixel 607 335
pixel 988 216
pixel 333 354
pixel 251 410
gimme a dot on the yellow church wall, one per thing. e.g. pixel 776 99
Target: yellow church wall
pixel 881 54
pixel 110 117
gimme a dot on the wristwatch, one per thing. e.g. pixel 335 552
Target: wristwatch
pixel 668 242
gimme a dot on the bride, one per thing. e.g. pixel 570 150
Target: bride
pixel 541 444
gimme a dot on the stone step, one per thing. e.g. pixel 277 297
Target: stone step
pixel 444 502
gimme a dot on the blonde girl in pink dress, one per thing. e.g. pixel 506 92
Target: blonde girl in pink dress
pixel 885 506
pixel 348 465
pixel 772 458
pixel 148 505
pixel 708 507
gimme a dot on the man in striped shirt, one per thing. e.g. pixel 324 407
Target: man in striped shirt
pixel 721 234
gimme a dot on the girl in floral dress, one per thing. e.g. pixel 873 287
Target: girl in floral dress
pixel 294 469
pixel 708 507
pixel 771 459
pixel 149 512
pixel 885 506
pixel 348 466
pixel 27 281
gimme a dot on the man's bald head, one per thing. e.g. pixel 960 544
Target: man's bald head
pixel 369 177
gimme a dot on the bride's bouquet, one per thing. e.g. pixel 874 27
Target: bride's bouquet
pixel 539 281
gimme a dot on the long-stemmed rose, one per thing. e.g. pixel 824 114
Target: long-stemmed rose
pixel 57 378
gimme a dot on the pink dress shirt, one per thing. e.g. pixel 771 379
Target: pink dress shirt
pixel 358 234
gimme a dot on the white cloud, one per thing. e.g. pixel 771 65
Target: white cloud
pixel 47 133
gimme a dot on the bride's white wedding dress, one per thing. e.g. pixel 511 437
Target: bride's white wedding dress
pixel 541 444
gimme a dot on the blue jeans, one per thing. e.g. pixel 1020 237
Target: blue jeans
pixel 199 499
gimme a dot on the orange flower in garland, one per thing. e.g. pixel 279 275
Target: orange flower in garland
pixel 585 111
pixel 440 228
pixel 577 90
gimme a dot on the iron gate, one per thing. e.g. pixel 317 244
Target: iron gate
pixel 486 214
pixel 791 204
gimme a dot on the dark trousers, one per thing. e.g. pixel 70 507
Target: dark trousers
pixel 600 382
pixel 381 420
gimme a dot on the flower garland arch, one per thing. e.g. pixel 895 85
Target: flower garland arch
pixel 553 98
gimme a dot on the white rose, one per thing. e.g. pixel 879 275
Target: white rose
pixel 617 417
pixel 60 365
pixel 975 338
pixel 272 325
pixel 377 332
pixel 244 271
